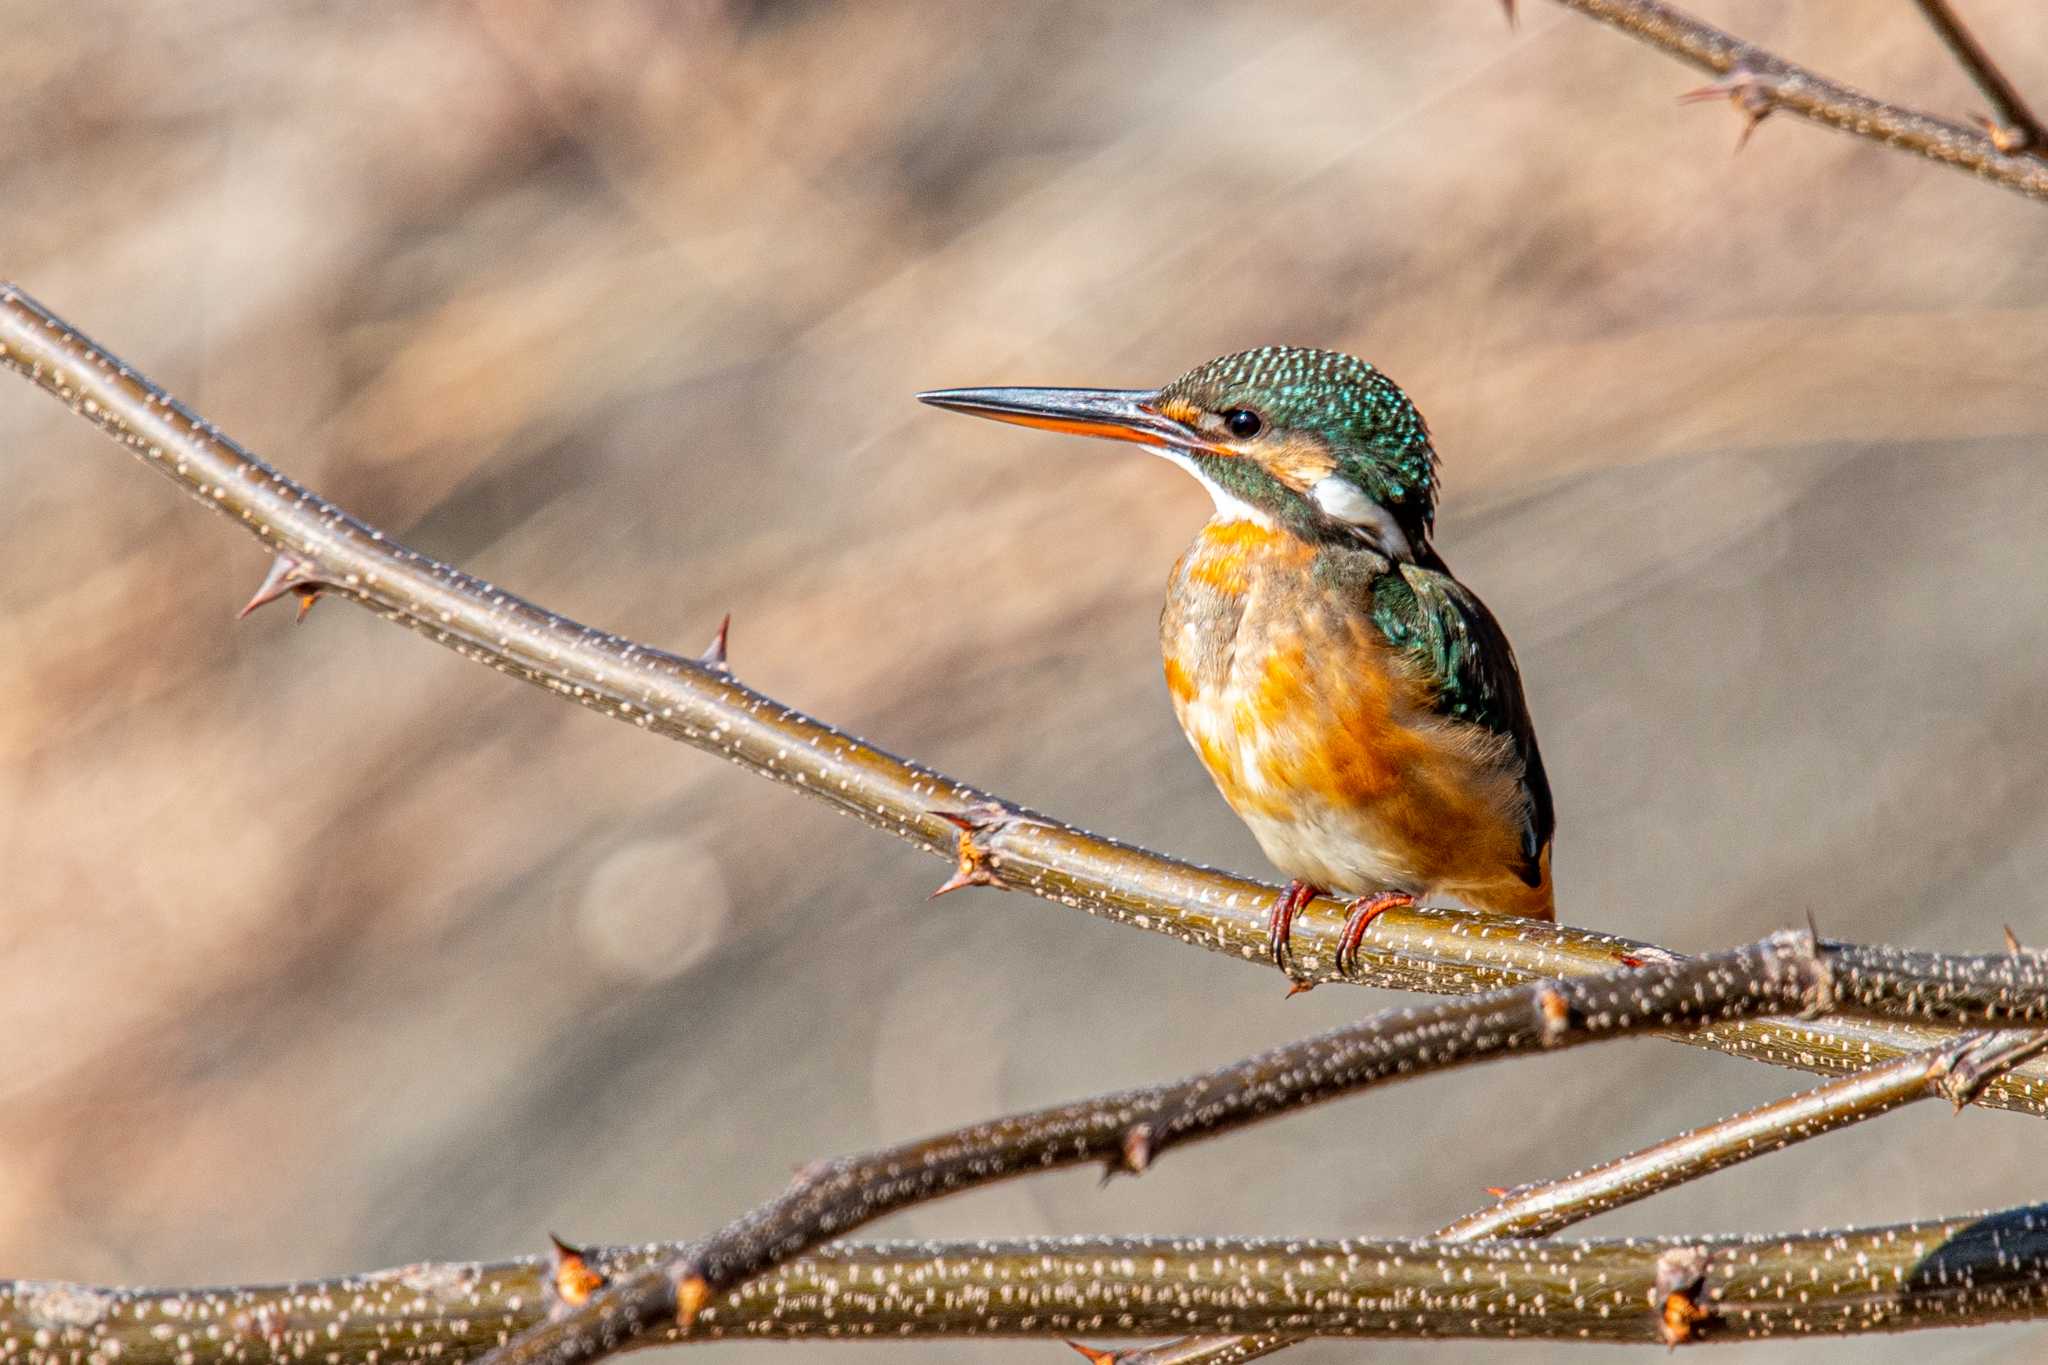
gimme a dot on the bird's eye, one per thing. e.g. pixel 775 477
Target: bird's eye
pixel 1243 423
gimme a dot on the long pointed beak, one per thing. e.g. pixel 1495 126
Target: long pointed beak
pixel 1114 414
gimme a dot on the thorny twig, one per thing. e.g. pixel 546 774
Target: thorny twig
pixel 1541 1210
pixel 699 702
pixel 1765 82
pixel 1943 1273
pixel 2012 126
pixel 1689 1299
pixel 1129 1130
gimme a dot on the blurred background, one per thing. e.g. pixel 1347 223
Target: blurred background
pixel 325 950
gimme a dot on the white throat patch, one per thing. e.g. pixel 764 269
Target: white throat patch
pixel 1229 506
pixel 1341 500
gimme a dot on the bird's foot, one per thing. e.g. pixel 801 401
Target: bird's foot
pixel 1363 912
pixel 1280 929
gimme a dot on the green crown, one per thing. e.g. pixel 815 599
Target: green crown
pixel 1379 439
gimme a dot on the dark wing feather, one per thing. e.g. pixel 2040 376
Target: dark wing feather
pixel 1453 638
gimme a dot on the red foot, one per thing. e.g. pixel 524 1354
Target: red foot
pixel 1364 911
pixel 1280 928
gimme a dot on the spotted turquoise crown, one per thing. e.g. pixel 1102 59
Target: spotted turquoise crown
pixel 1379 439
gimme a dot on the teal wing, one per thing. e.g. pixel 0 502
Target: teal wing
pixel 1453 638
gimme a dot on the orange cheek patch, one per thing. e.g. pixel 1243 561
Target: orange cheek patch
pixel 1298 461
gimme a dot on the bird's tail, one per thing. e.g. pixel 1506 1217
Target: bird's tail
pixel 1510 895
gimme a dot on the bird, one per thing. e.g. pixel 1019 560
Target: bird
pixel 1357 706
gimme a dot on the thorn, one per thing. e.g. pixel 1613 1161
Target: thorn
pixel 1556 1012
pixel 2012 941
pixel 1680 1285
pixel 976 866
pixel 969 873
pixel 1095 1357
pixel 1497 1191
pixel 1812 930
pixel 982 815
pixel 713 656
pixel 288 573
pixel 1749 92
pixel 1137 1148
pixel 693 1291
pixel 2003 136
pixel 574 1279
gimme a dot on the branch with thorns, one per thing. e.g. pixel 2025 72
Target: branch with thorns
pixel 1897 1015
pixel 2003 150
pixel 701 703
pixel 1884 1003
pixel 1128 1131
pixel 1981 1268
pixel 1541 1210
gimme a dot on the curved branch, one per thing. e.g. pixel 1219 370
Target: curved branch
pixel 1541 1210
pixel 1768 82
pixel 1942 1273
pixel 2013 125
pixel 322 548
pixel 1128 1130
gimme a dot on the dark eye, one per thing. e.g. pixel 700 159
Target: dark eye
pixel 1243 423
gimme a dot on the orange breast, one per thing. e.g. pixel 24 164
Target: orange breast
pixel 1320 719
pixel 1317 733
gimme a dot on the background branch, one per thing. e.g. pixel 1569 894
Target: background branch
pixel 1767 82
pixel 1942 1273
pixel 327 550
pixel 2014 127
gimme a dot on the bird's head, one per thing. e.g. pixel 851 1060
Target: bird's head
pixel 1317 442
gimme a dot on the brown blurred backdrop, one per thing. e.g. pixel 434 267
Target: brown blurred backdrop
pixel 324 950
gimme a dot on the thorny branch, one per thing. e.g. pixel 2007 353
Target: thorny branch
pixel 1541 1210
pixel 1946 1273
pixel 1761 83
pixel 749 1279
pixel 1128 1130
pixel 2012 126
pixel 319 548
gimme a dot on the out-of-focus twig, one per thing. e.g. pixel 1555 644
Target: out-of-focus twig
pixel 1128 1130
pixel 1941 1273
pixel 321 548
pixel 2012 126
pixel 1541 1210
pixel 1758 76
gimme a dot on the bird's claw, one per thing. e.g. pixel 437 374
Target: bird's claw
pixel 1363 912
pixel 1280 930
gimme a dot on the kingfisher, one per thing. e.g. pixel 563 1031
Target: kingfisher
pixel 1357 706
